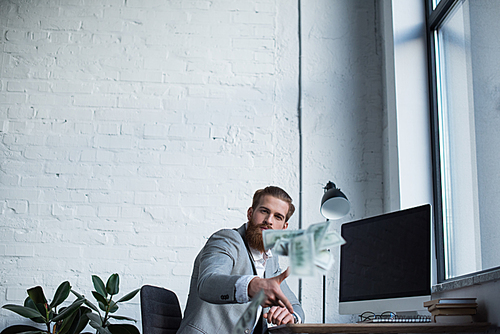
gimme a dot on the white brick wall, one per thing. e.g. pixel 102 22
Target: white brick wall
pixel 343 111
pixel 132 130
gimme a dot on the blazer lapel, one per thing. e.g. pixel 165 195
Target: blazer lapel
pixel 270 267
pixel 241 230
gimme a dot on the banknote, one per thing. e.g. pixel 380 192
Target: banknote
pixel 302 255
pixel 247 320
pixel 323 259
pixel 270 237
pixel 318 230
pixel 282 247
pixel 307 249
pixel 331 239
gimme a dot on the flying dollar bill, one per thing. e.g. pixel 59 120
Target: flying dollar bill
pixel 324 259
pixel 282 247
pixel 307 249
pixel 247 320
pixel 270 237
pixel 331 239
pixel 318 230
pixel 302 255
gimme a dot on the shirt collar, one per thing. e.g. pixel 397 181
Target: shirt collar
pixel 258 256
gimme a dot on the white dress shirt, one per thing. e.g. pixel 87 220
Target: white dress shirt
pixel 241 285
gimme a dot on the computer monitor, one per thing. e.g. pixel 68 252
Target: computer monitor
pixel 385 264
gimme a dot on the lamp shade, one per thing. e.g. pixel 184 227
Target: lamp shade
pixel 334 204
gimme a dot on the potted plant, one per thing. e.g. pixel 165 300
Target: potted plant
pixel 104 295
pixel 67 320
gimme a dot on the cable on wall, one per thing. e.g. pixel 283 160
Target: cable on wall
pixel 299 116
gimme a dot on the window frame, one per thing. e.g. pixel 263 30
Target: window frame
pixel 434 19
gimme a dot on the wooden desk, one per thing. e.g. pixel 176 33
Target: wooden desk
pixel 381 328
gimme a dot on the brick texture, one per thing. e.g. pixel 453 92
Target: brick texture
pixel 132 130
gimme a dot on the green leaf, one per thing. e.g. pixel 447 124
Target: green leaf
pixel 19 329
pixel 77 322
pixel 82 321
pixel 23 311
pixel 100 298
pixel 99 285
pixel 119 317
pixel 112 285
pixel 68 323
pixel 103 307
pixel 79 296
pixel 128 296
pixel 95 319
pixel 42 310
pixel 123 329
pixel 36 294
pixel 104 330
pixel 34 331
pixel 94 324
pixel 92 306
pixel 113 307
pixel 29 303
pixel 61 294
pixel 99 328
pixel 68 311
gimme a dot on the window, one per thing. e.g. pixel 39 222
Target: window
pixel 463 53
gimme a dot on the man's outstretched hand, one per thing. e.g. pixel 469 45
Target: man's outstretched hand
pixel 272 290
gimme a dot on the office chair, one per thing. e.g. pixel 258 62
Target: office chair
pixel 160 310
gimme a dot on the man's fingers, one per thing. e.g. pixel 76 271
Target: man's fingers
pixel 279 300
pixel 270 313
pixel 281 277
pixel 278 316
pixel 282 318
pixel 284 302
pixel 272 290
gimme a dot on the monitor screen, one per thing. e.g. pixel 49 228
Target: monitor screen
pixel 386 258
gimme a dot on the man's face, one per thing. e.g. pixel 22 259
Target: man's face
pixel 269 214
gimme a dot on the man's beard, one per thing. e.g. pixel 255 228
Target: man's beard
pixel 253 235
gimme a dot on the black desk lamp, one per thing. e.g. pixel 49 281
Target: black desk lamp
pixel 334 205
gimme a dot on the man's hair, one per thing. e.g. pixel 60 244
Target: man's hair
pixel 277 193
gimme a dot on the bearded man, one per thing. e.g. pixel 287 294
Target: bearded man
pixel 233 267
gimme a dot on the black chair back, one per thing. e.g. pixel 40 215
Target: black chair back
pixel 160 310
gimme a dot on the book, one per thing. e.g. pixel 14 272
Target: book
pixel 452 306
pixel 453 311
pixel 449 301
pixel 452 319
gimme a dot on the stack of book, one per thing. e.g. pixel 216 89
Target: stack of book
pixel 452 310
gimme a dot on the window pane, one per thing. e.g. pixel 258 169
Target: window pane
pixel 469 113
pixel 435 3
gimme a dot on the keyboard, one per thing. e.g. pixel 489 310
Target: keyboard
pixel 400 319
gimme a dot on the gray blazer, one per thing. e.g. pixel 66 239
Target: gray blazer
pixel 211 306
